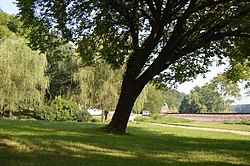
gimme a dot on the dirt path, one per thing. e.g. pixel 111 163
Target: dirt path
pixel 206 129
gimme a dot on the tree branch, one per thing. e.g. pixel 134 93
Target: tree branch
pixel 122 9
pixel 151 7
pixel 208 38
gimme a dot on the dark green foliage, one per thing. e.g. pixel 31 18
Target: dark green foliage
pixel 62 65
pixel 13 26
pixel 239 65
pixel 62 110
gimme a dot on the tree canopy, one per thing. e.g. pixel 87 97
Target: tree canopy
pixel 170 41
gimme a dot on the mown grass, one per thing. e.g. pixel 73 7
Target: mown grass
pixel 219 125
pixel 29 142
pixel 161 119
pixel 231 125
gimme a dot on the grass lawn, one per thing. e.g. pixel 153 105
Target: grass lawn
pixel 233 125
pixel 219 125
pixel 28 142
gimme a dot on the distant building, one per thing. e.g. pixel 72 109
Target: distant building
pixel 165 109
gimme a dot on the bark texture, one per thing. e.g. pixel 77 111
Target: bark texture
pixel 130 90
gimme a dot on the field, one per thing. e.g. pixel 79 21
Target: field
pixel 30 142
pixel 213 117
pixel 232 124
pixel 236 125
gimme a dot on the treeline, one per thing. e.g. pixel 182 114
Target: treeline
pixel 213 97
pixel 59 85
pixel 31 80
pixel 243 108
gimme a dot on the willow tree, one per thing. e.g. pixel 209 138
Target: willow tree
pixel 99 86
pixel 23 81
pixel 169 40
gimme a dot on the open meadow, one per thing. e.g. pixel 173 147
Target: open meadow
pixel 234 124
pixel 31 142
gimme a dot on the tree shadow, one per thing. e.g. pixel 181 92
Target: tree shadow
pixel 55 143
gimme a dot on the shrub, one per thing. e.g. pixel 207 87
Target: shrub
pixel 45 113
pixel 81 115
pixel 62 110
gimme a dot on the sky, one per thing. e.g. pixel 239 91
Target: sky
pixel 9 7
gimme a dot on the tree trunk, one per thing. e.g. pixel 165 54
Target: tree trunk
pixel 129 92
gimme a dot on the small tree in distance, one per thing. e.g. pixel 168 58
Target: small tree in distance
pixel 171 41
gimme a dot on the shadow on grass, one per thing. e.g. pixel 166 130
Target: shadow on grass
pixel 56 143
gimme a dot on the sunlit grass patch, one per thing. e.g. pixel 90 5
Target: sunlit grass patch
pixel 220 125
pixel 241 125
pixel 161 119
pixel 14 144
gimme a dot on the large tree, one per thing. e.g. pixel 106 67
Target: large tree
pixel 99 86
pixel 169 40
pixel 23 81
